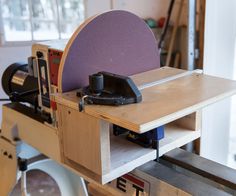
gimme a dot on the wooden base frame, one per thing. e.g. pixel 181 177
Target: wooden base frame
pixel 83 141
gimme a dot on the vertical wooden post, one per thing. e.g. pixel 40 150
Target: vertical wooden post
pixel 202 8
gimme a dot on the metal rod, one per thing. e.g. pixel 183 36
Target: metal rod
pixel 23 184
pixel 191 33
pixel 4 99
pixel 157 149
pixel 168 79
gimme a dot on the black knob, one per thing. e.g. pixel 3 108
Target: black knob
pixel 22 163
pixel 39 54
pixel 96 83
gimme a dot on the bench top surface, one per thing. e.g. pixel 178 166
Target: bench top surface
pixel 162 102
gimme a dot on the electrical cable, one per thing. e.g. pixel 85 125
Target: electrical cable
pixel 30 92
pixel 4 99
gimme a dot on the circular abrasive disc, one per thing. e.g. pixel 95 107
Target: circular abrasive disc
pixel 116 41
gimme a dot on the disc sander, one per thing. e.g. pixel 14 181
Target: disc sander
pixel 116 41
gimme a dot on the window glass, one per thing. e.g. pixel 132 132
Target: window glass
pixel 15 8
pixel 44 9
pixel 67 29
pixel 17 30
pixel 27 20
pixel 45 30
pixel 71 9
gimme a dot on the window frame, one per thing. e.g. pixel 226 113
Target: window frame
pixel 58 22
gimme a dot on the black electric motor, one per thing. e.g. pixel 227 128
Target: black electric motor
pixel 19 85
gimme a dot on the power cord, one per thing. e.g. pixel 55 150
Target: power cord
pixel 4 99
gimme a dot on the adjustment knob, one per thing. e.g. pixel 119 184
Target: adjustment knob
pixel 96 83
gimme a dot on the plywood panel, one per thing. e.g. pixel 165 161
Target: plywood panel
pixel 126 156
pixel 162 103
pixel 166 102
pixel 85 139
pixel 95 190
pixel 40 136
pixel 155 75
pixel 9 167
pixel 176 136
pixel 124 151
pixel 143 79
pixel 187 122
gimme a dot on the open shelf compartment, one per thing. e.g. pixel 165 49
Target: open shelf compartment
pixel 176 104
pixel 92 149
pixel 126 156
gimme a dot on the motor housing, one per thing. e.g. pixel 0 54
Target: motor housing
pixel 19 85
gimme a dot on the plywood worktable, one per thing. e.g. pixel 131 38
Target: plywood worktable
pixel 171 97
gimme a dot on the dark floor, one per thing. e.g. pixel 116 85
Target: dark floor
pixel 38 183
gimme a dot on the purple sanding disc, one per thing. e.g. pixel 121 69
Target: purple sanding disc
pixel 116 41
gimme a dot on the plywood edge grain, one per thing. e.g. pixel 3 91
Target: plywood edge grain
pixel 82 171
pixel 95 190
pixel 85 139
pixel 169 118
pixel 180 94
pixel 129 166
pixel 141 128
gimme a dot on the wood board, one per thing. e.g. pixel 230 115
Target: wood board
pixel 126 156
pixel 121 156
pixel 42 137
pixel 9 167
pixel 177 98
pixel 141 80
pixel 85 140
pixel 161 103
pixel 176 136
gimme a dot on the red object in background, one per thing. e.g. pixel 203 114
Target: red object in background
pixel 161 22
pixel 54 62
pixel 53 105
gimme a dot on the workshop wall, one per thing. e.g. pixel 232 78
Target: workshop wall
pixel 220 36
pixel 143 8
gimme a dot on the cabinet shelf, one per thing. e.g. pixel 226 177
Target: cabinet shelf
pixel 176 136
pixel 126 156
pixel 85 140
